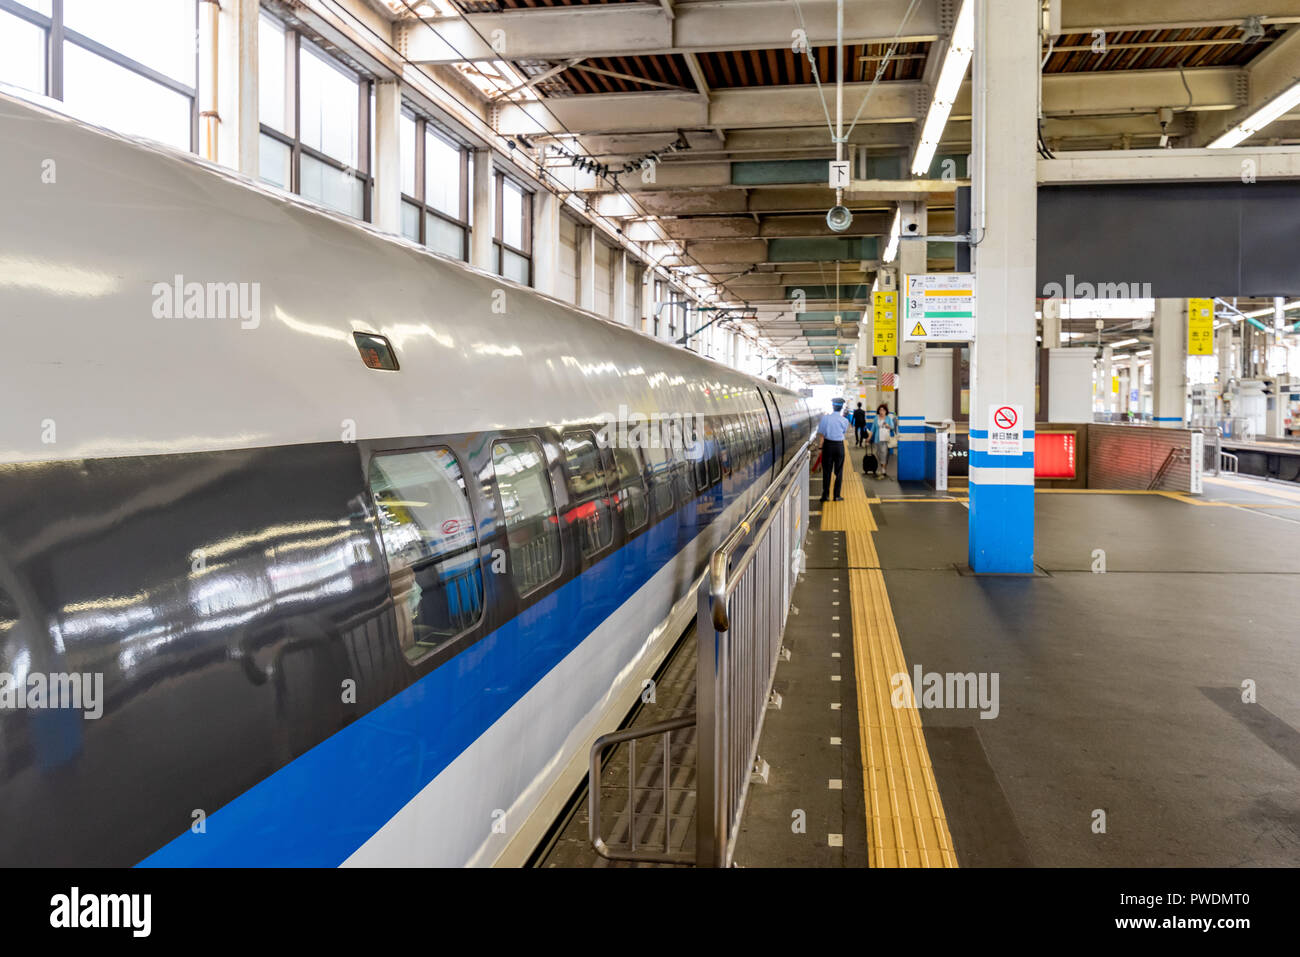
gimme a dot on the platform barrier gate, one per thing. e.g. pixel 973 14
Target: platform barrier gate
pixel 744 600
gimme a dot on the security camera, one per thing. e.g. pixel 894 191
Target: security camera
pixel 839 218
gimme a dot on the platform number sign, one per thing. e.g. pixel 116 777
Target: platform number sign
pixel 839 174
pixel 1200 327
pixel 1006 429
pixel 884 326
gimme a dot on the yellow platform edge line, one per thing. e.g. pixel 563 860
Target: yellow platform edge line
pixel 906 824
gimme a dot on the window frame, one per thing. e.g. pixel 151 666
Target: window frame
pixel 293 53
pixel 501 511
pixel 465 477
pixel 498 243
pixel 423 127
pixel 646 493
pixel 57 33
pixel 610 494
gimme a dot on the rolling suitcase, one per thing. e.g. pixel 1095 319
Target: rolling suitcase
pixel 870 464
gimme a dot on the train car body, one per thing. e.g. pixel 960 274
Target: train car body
pixel 338 613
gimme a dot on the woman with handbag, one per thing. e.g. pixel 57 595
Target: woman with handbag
pixel 883 431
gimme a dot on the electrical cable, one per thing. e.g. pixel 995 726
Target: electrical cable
pixel 880 70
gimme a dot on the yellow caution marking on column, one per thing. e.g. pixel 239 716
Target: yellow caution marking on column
pixel 906 825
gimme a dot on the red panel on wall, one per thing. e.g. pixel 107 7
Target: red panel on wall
pixel 1054 455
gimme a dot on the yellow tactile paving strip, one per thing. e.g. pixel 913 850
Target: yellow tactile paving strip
pixel 853 513
pixel 906 826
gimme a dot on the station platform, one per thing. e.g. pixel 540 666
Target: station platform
pixel 1120 686
pixel 1117 733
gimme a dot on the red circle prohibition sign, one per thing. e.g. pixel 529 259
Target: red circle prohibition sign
pixel 1005 417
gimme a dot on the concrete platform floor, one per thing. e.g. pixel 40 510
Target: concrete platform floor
pixel 1119 691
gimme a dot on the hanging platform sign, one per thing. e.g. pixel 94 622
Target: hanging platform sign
pixel 884 326
pixel 1200 327
pixel 939 307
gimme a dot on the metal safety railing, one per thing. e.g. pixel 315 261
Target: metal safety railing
pixel 744 600
pixel 1175 456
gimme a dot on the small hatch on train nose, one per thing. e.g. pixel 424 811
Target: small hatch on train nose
pixel 376 351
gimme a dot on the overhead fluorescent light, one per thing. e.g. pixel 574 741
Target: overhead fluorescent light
pixel 1124 342
pixel 1268 310
pixel 1283 103
pixel 1143 352
pixel 955 63
pixel 891 247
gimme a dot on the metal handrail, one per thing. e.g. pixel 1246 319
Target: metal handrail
pixel 719 572
pixel 728 719
pixel 618 853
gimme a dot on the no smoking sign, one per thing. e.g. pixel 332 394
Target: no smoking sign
pixel 1006 430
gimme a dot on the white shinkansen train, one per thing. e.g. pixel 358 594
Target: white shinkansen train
pixel 321 524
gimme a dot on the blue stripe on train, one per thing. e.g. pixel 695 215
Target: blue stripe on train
pixel 319 808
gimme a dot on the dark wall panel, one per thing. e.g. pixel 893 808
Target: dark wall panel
pixel 1183 239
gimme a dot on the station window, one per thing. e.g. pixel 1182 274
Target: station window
pixel 315 121
pixel 432 546
pixel 532 528
pixel 631 488
pixel 589 499
pixel 131 66
pixel 435 188
pixel 513 233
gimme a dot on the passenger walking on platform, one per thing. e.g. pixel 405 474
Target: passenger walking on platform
pixel 882 430
pixel 831 430
pixel 859 423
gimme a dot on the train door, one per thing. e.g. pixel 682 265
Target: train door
pixel 780 422
pixel 773 428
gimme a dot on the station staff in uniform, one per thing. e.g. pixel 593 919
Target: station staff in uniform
pixel 832 429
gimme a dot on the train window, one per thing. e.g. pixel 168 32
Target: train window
pixel 676 453
pixel 659 468
pixel 432 546
pixel 712 450
pixel 726 442
pixel 697 453
pixel 631 488
pixel 588 494
pixel 528 506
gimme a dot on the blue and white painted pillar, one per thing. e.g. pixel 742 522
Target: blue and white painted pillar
pixel 1169 363
pixel 911 448
pixel 1005 220
pixel 913 260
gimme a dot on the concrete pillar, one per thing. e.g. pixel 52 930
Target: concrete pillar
pixel 1106 388
pixel 1223 346
pixel 1005 215
pixel 481 251
pixel 1169 363
pixel 647 301
pixel 237 128
pixel 618 294
pixel 387 204
pixel 586 267
pixel 909 399
pixel 1051 324
pixel 546 242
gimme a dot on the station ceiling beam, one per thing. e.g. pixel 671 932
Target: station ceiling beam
pixel 630 29
pixel 1114 16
